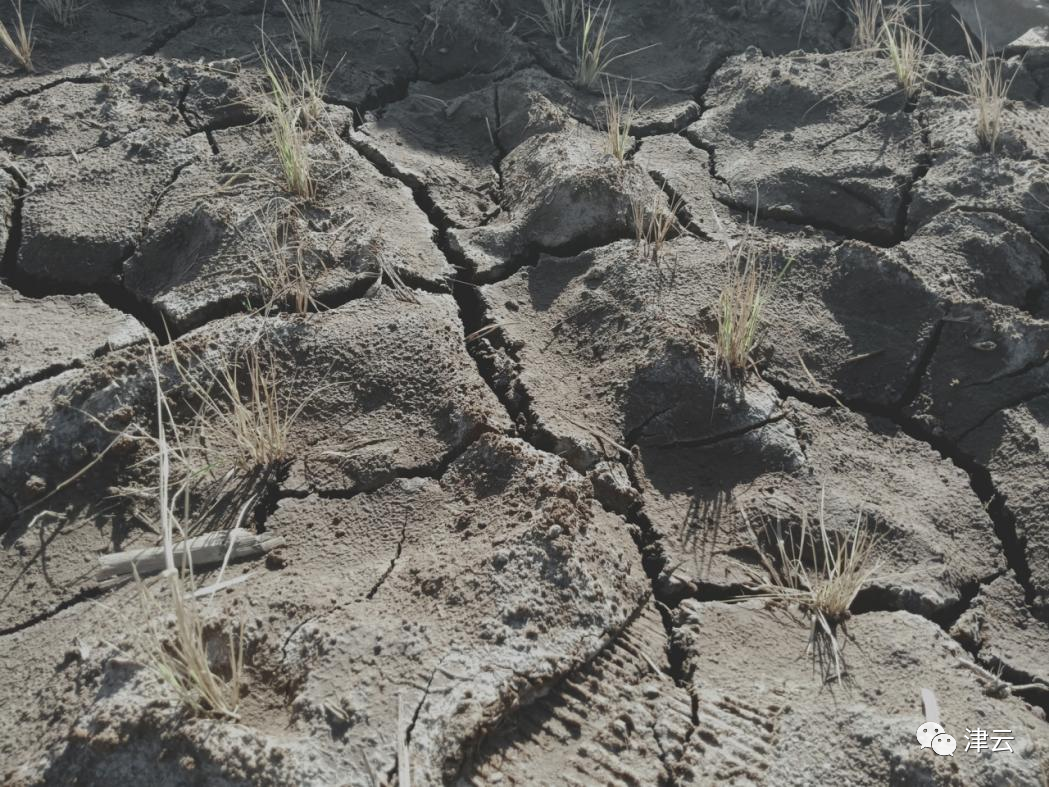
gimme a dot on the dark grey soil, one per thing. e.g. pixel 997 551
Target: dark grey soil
pixel 523 505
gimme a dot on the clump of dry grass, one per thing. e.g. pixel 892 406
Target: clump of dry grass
pixel 653 223
pixel 866 16
pixel 308 28
pixel 619 113
pixel 63 12
pixel 180 657
pixel 287 107
pixel 904 44
pixel 988 89
pixel 240 418
pixel 282 262
pixel 19 44
pixel 181 660
pixel 814 10
pixel 560 18
pixel 596 51
pixel 821 574
pixel 243 410
pixel 741 304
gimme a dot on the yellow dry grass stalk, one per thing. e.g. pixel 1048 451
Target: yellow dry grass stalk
pixel 181 659
pixel 653 223
pixel 559 18
pixel 820 573
pixel 988 89
pixel 285 107
pixel 619 113
pixel 596 51
pixel 63 12
pixel 866 17
pixel 243 410
pixel 19 44
pixel 904 44
pixel 308 29
pixel 282 262
pixel 741 304
pixel 814 10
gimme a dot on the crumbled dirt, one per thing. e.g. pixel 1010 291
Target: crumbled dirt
pixel 523 504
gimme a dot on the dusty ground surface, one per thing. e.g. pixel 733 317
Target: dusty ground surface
pixel 515 501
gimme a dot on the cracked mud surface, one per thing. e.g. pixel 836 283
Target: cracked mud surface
pixel 519 499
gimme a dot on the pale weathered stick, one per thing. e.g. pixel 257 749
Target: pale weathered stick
pixel 206 550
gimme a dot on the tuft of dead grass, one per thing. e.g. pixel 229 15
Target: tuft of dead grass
pixel 741 305
pixel 988 90
pixel 283 263
pixel 287 106
pixel 866 17
pixel 904 43
pixel 821 574
pixel 19 43
pixel 596 51
pixel 63 12
pixel 181 659
pixel 308 28
pixel 243 411
pixel 653 223
pixel 559 18
pixel 619 113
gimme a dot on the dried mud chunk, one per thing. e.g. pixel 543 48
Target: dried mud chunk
pixel 593 337
pixel 462 37
pixel 768 720
pixel 853 320
pixel 818 139
pixel 684 169
pixel 206 250
pixel 74 118
pixel 438 595
pixel 81 217
pixel 558 190
pixel 410 395
pixel 1003 630
pixel 1011 445
pixel 387 388
pixel 366 53
pixel 102 39
pixel 986 391
pixel 709 503
pixel 439 139
pixel 467 633
pixel 964 255
pixel 42 336
pixel 987 358
pixel 1011 182
pixel 620 718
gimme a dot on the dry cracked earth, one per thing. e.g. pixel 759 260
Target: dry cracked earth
pixel 512 525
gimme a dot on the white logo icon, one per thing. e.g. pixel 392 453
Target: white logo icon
pixel 944 745
pixel 927 732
